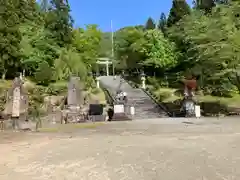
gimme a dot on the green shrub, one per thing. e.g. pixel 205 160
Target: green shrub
pixel 43 75
pixel 37 95
pixel 57 88
pixel 3 99
pixel 95 91
pixel 222 90
pixel 89 83
pixel 36 100
pixel 164 95
pixel 154 82
pixel 163 83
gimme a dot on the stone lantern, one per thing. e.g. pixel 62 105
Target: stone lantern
pixel 143 80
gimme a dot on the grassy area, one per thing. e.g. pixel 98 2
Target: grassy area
pixel 229 101
pixel 166 94
pixel 5 84
pixel 97 95
pixel 209 104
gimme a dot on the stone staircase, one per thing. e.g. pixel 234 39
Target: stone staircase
pixel 145 107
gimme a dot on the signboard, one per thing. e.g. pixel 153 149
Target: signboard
pixel 118 108
pixel 198 111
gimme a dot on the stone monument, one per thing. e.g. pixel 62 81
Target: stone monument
pixel 17 103
pixel 75 100
pixel 74 97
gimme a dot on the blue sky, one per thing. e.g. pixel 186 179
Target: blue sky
pixel 121 12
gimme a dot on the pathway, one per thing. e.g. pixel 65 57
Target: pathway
pixel 136 150
pixel 145 107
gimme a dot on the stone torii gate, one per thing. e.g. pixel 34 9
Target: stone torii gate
pixel 106 61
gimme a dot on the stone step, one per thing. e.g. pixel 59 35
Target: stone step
pixel 145 107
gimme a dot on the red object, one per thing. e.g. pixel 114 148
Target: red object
pixel 191 84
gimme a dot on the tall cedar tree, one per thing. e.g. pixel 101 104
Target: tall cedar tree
pixel 60 22
pixel 162 23
pixel 150 24
pixel 206 5
pixel 27 10
pixel 179 9
pixel 13 12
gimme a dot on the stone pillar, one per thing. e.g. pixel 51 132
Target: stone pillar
pixel 107 68
pixel 16 107
pixel 97 81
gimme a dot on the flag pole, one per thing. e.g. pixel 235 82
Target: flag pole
pixel 113 68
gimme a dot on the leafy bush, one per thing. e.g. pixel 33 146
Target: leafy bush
pixel 95 91
pixel 43 75
pixel 36 100
pixel 153 81
pixel 89 83
pixel 69 63
pixel 37 95
pixel 219 87
pixel 3 99
pixel 57 88
pixel 163 83
pixel 164 95
pixel 222 92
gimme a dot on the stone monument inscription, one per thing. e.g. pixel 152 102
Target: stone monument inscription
pixel 73 98
pixel 16 102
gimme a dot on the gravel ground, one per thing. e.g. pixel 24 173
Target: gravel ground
pixel 167 149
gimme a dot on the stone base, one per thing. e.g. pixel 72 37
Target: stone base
pixel 20 125
pixel 120 117
pixel 73 117
pixel 97 118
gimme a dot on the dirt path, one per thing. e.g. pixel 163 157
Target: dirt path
pixel 206 150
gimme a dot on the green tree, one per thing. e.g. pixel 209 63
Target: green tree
pixel 36 47
pixel 162 23
pixel 106 45
pixel 10 38
pixel 87 43
pixel 213 46
pixel 205 5
pixel 27 11
pixel 150 24
pixel 159 52
pixel 60 22
pixel 43 75
pixel 69 62
pixel 179 9
pixel 124 38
